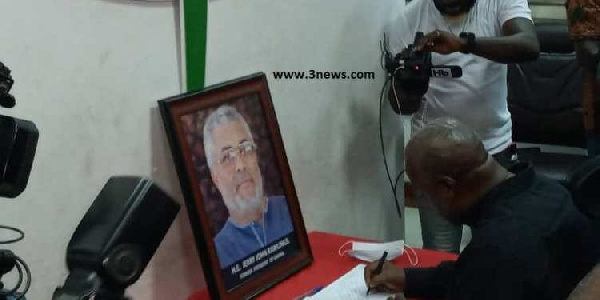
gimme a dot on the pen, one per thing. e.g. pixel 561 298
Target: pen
pixel 379 268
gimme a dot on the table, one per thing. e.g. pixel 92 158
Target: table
pixel 328 266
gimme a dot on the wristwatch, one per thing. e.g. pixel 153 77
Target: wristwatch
pixel 469 37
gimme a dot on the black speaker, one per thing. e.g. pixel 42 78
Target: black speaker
pixel 17 149
pixel 117 237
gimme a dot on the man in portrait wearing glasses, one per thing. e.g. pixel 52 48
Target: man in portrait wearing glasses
pixel 255 219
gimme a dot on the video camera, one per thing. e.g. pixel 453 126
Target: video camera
pixel 114 241
pixel 410 71
pixel 18 141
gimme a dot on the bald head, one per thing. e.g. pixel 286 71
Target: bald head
pixel 444 147
pixel 448 163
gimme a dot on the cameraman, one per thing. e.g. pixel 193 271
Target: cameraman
pixel 494 33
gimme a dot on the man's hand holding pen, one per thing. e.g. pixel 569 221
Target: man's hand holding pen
pixel 390 280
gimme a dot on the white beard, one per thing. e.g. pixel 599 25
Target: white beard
pixel 246 205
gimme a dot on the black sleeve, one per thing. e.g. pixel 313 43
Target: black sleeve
pixel 487 275
pixel 429 282
pixel 490 277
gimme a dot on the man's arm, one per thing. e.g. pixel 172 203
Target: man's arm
pixel 493 274
pixel 518 43
pixel 429 282
pixel 416 282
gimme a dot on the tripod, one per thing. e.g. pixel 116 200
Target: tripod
pixel 8 262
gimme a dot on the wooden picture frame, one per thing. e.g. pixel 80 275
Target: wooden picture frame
pixel 232 213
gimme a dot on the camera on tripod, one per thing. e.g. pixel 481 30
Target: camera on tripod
pixel 18 141
pixel 115 240
pixel 410 71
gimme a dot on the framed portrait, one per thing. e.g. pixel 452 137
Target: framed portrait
pixel 237 185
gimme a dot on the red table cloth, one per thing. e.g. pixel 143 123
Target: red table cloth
pixel 329 266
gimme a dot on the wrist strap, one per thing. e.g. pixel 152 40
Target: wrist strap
pixel 469 37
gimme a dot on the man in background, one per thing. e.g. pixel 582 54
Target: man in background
pixel 481 37
pixel 529 241
pixel 584 28
pixel 255 220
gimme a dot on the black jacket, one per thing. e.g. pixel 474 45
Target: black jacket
pixel 528 242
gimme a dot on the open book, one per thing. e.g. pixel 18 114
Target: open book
pixel 348 287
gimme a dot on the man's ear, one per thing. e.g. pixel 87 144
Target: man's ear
pixel 447 186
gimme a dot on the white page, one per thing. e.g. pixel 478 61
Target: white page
pixel 348 287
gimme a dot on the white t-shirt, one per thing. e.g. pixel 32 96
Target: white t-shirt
pixel 478 98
